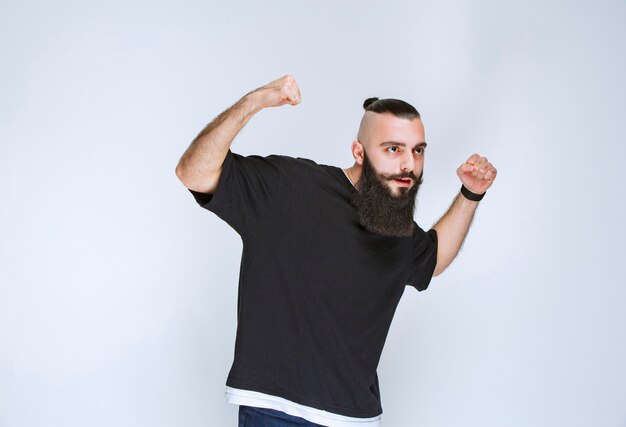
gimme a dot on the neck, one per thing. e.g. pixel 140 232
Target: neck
pixel 354 173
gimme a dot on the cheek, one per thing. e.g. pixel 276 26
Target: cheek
pixel 386 166
pixel 419 164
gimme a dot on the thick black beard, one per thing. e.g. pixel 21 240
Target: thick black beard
pixel 378 209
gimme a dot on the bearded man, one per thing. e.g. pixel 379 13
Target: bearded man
pixel 327 254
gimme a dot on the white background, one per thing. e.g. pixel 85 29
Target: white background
pixel 118 293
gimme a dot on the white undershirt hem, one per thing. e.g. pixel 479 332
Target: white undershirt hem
pixel 317 416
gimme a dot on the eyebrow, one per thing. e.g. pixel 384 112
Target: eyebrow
pixel 401 144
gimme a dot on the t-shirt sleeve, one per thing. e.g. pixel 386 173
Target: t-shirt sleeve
pixel 424 258
pixel 245 190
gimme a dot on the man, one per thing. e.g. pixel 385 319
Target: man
pixel 327 254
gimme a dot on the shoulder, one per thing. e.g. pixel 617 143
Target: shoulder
pixel 289 168
pixel 284 161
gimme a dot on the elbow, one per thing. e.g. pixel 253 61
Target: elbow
pixel 180 172
pixel 186 180
pixel 206 183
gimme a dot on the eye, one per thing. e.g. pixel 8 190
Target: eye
pixel 419 150
pixel 393 149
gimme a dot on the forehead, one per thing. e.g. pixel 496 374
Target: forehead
pixel 387 127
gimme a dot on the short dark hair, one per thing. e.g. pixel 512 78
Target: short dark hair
pixel 397 107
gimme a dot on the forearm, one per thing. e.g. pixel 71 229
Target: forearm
pixel 201 164
pixel 452 229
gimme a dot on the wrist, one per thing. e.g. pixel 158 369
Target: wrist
pixel 470 195
pixel 251 103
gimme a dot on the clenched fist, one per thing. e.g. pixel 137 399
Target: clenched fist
pixel 477 174
pixel 279 92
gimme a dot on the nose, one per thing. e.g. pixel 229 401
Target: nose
pixel 408 162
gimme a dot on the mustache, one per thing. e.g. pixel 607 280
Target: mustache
pixel 404 175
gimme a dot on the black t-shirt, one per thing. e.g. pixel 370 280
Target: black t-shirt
pixel 317 291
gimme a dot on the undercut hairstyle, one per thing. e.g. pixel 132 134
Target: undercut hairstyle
pixel 397 107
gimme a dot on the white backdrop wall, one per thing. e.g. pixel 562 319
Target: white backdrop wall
pixel 118 293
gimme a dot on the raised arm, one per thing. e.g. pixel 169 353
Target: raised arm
pixel 477 175
pixel 200 166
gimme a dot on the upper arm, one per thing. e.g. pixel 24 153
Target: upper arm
pixel 438 270
pixel 201 183
pixel 208 184
pixel 439 267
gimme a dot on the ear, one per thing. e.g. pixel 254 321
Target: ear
pixel 357 151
